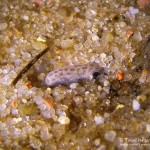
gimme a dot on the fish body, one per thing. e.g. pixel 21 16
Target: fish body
pixel 72 74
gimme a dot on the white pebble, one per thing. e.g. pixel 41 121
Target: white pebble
pixel 97 142
pixel 93 12
pixel 106 115
pixel 14 112
pixel 99 119
pixel 26 18
pixel 110 135
pixel 76 9
pixel 25 118
pixel 44 133
pixel 78 100
pixel 24 101
pixel 11 50
pixel 41 39
pixel 136 105
pixel 123 24
pixel 48 90
pixel 3 26
pixel 148 128
pixel 106 83
pixel 137 36
pixel 42 107
pixel 99 88
pixel 26 56
pixel 67 43
pixel 13 121
pixel 133 11
pixel 16 131
pixel 38 100
pixel 78 46
pixel 95 37
pixel 103 55
pixel 48 113
pixel 5 71
pixel 41 76
pixel 73 85
pixel 63 120
pixel 18 62
pixel 2 107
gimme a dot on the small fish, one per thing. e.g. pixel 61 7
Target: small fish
pixel 72 74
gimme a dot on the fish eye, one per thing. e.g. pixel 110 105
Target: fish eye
pixel 95 75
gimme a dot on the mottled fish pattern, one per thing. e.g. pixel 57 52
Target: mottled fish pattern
pixel 72 74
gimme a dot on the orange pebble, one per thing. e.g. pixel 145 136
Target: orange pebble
pixel 48 102
pixel 29 85
pixel 129 32
pixel 14 104
pixel 119 75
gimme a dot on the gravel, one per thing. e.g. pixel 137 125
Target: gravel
pixel 91 114
pixel 136 105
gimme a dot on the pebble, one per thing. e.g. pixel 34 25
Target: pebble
pixel 41 76
pixel 106 83
pixel 103 55
pixel 102 147
pixel 95 37
pixel 41 39
pixel 142 97
pixel 44 134
pixel 136 105
pixel 123 24
pixel 25 118
pixel 106 115
pixel 99 88
pixel 110 136
pixel 99 120
pixel 78 100
pixel 89 112
pixel 42 106
pixel 48 113
pixel 68 43
pixel 137 36
pixel 39 45
pixel 119 106
pixel 73 85
pixel 97 142
pixel 18 61
pixel 2 107
pixel 49 90
pixel 148 128
pixel 3 26
pixel 24 101
pixel 76 9
pixel 63 120
pixel 26 18
pixel 26 56
pixel 38 100
pixel 78 46
pixel 5 71
pixel 14 121
pixel 133 11
pixel 14 112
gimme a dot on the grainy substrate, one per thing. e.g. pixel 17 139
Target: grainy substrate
pixel 111 112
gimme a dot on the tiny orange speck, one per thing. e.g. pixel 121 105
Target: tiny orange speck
pixel 120 75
